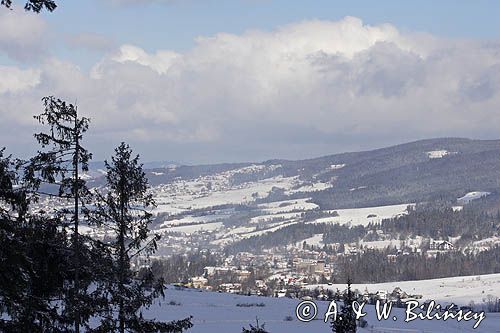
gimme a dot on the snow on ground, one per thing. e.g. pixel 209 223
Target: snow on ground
pixel 218 313
pixel 363 216
pixel 285 206
pixel 415 242
pixel 276 215
pixel 228 237
pixel 270 217
pixel 190 229
pixel 438 153
pixel 85 176
pixel 337 166
pixel 165 206
pixel 486 243
pixel 246 232
pixel 310 188
pixel 102 171
pixel 239 230
pixel 381 244
pixel 193 219
pixel 184 195
pixel 316 240
pixel 357 188
pixel 458 290
pixel 472 196
pixel 264 231
pixel 83 229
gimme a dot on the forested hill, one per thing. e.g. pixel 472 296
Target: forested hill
pixel 412 172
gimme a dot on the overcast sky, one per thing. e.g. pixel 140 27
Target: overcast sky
pixel 201 81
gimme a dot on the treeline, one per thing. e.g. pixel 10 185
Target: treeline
pixel 332 233
pixel 436 220
pixel 404 173
pixel 179 268
pixel 374 266
pixel 470 223
pixel 53 278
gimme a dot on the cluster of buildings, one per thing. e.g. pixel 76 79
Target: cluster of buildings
pixel 263 274
pixel 284 274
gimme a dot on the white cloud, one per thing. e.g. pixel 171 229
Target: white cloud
pixel 21 34
pixel 314 86
pixel 15 79
pixel 160 62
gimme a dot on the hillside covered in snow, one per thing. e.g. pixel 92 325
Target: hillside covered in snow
pixel 211 310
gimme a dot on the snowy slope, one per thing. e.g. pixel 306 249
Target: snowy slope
pixel 472 196
pixel 365 215
pixel 459 290
pixel 217 313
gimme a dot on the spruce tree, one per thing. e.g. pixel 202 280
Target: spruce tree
pixel 33 5
pixel 59 163
pixel 33 260
pixel 123 209
pixel 255 329
pixel 346 319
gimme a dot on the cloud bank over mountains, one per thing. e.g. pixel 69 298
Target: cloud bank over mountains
pixel 308 88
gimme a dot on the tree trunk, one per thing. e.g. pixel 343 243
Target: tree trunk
pixel 76 233
pixel 121 241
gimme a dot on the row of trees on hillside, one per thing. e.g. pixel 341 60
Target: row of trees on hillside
pixel 53 278
pixel 431 220
pixel 373 266
pixel 332 233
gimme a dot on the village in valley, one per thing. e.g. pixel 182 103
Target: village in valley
pixel 300 273
pixel 249 166
pixel 252 230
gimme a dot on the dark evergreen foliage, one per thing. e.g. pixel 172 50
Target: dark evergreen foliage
pixel 431 220
pixel 123 209
pixel 59 163
pixel 373 265
pixel 33 261
pixel 179 268
pixel 34 5
pixel 52 279
pixel 335 233
pixel 255 329
pixel 346 318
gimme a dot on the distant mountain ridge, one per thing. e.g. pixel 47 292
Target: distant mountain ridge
pixel 409 172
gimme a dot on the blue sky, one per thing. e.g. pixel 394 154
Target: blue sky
pixel 209 81
pixel 179 22
pixel 176 24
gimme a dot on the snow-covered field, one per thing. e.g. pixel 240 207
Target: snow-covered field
pixel 182 196
pixel 316 240
pixel 437 153
pixel 218 189
pixel 193 194
pixel 310 188
pixel 440 153
pixel 459 290
pixel 278 207
pixel 363 216
pixel 468 197
pixel 189 229
pixel 218 313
